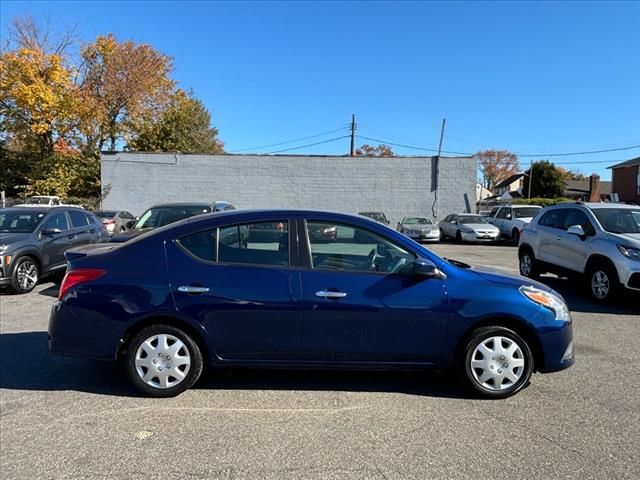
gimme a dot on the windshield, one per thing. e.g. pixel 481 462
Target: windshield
pixel 20 222
pixel 417 221
pixel 105 214
pixel 619 220
pixel 161 216
pixel 470 219
pixel 525 212
pixel 377 216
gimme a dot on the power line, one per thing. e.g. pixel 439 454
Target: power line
pixel 310 144
pixel 290 141
pixel 414 147
pixel 569 154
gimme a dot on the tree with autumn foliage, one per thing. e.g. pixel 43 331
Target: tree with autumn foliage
pixel 183 126
pixel 122 83
pixel 371 151
pixel 496 165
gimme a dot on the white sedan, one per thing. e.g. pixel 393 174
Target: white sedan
pixel 467 227
pixel 419 228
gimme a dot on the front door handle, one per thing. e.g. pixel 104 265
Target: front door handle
pixel 192 289
pixel 330 294
pixel 558 237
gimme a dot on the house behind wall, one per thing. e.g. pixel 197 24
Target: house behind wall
pixel 397 186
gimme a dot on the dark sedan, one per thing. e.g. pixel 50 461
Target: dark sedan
pixel 209 290
pixel 33 241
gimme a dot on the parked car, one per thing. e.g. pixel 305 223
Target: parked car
pixel 169 302
pixel 420 229
pixel 468 227
pixel 115 221
pixel 598 241
pixel 41 201
pixel 33 241
pixel 377 216
pixel 161 215
pixel 512 219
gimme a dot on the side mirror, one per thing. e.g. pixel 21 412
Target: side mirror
pixel 576 230
pixel 425 268
pixel 50 231
pixel 508 216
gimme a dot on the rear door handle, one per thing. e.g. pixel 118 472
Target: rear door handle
pixel 330 294
pixel 192 289
pixel 558 237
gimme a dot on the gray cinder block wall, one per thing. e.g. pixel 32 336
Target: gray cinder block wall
pixel 398 186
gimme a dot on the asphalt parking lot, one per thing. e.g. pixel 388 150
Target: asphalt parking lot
pixel 63 418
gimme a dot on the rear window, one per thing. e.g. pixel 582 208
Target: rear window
pixel 105 214
pixel 553 219
pixel 78 219
pixel 200 244
pixel 525 212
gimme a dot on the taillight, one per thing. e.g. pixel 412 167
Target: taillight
pixel 75 277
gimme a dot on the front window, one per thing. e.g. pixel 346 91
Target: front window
pixel 619 220
pixel 525 212
pixel 470 219
pixel 355 249
pixel 57 221
pixel 160 216
pixel 19 222
pixel 417 221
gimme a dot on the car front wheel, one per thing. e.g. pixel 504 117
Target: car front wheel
pixel 495 363
pixel 603 282
pixel 163 361
pixel 25 275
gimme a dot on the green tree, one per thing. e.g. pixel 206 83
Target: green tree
pixel 548 180
pixel 66 174
pixel 381 150
pixel 184 126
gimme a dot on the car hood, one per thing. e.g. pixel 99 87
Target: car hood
pixel 419 226
pixel 630 239
pixel 128 235
pixel 11 238
pixel 498 276
pixel 479 226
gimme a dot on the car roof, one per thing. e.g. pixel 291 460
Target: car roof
pixel 34 209
pixel 183 204
pixel 592 205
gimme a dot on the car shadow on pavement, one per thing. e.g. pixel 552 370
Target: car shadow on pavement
pixel 577 297
pixel 30 366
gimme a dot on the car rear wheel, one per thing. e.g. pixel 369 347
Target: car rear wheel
pixel 603 282
pixel 25 275
pixel 495 363
pixel 528 264
pixel 163 361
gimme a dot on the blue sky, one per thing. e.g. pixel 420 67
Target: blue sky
pixel 533 78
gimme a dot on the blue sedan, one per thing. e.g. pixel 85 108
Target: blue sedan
pixel 265 288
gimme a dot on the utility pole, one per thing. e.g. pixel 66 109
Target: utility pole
pixel 530 179
pixel 437 212
pixel 352 150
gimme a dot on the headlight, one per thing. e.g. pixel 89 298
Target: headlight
pixel 466 230
pixel 629 252
pixel 548 300
pixel 2 248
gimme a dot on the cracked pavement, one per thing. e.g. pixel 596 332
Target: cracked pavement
pixel 63 418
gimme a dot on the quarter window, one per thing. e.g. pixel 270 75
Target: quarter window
pixel 343 247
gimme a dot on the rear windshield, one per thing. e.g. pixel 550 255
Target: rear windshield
pixel 619 220
pixel 377 216
pixel 160 216
pixel 105 214
pixel 525 212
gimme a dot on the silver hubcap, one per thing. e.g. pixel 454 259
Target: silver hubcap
pixel 600 284
pixel 27 275
pixel 497 363
pixel 162 361
pixel 525 265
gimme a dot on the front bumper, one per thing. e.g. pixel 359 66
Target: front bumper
pixel 475 237
pixel 426 237
pixel 557 349
pixel 628 272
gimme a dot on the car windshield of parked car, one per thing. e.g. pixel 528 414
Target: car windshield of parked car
pixel 525 212
pixel 105 214
pixel 619 220
pixel 38 201
pixel 417 221
pixel 377 216
pixel 20 222
pixel 160 216
pixel 470 219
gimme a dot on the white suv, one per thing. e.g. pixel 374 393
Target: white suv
pixel 598 240
pixel 511 219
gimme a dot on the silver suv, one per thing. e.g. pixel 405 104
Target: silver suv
pixel 598 240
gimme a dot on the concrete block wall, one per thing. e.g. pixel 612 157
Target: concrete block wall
pixel 398 186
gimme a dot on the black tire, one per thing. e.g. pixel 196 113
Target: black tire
pixel 533 271
pixel 515 236
pixel 470 376
pixel 458 237
pixel 194 369
pixel 603 272
pixel 442 235
pixel 24 266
